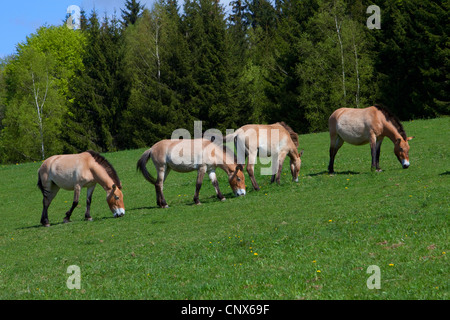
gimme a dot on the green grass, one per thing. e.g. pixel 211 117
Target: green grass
pixel 269 244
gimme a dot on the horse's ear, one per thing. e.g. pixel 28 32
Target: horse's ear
pixel 410 138
pixel 239 167
pixel 301 152
pixel 114 187
pixel 398 141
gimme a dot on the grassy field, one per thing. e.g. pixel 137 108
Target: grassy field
pixel 309 240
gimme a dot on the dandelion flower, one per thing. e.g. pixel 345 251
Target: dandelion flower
pixel 391 264
pixel 255 254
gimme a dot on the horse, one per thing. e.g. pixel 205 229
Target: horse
pixel 368 125
pixel 186 155
pixel 254 138
pixel 77 171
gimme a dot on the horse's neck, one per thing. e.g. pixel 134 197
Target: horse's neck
pixel 225 166
pixel 293 153
pixel 102 177
pixel 390 131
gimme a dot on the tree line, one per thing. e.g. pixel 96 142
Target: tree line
pixel 127 81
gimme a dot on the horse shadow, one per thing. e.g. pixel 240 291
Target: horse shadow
pixel 325 172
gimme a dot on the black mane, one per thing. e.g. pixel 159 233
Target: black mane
pixel 392 119
pixel 292 133
pixel 101 160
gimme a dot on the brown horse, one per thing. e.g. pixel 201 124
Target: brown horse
pixel 369 125
pixel 76 171
pixel 275 140
pixel 187 155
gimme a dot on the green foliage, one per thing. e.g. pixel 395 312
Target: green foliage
pixel 99 91
pixel 132 13
pixel 412 57
pixel 335 67
pixel 125 84
pixel 35 88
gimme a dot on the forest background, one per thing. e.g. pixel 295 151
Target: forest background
pixel 130 80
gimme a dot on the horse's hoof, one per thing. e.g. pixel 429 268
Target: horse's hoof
pixel 88 219
pixel 66 220
pixel 379 170
pixel 46 225
pixel 165 207
pixel 198 203
pixel 223 199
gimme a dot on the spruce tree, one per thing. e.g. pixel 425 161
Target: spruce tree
pixel 132 12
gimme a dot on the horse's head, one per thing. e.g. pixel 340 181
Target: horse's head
pixel 295 164
pixel 115 201
pixel 237 181
pixel 401 150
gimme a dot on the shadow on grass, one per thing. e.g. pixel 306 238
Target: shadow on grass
pixel 334 173
pixel 52 224
pixel 446 173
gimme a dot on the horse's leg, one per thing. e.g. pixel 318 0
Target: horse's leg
pixel 76 197
pixel 47 200
pixel 215 183
pixel 281 158
pixel 159 186
pixel 87 215
pixel 251 169
pixel 200 174
pixel 373 151
pixel 378 147
pixel 336 143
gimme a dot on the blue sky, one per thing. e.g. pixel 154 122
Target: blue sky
pixel 20 18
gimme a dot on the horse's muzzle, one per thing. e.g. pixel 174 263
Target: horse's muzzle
pixel 239 192
pixel 405 164
pixel 119 212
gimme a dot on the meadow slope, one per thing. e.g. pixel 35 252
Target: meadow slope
pixel 309 240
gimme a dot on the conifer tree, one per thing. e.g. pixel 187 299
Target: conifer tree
pixel 132 12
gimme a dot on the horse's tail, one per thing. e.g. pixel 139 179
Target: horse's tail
pixel 39 183
pixel 141 166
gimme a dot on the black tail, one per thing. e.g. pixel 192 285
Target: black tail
pixel 141 166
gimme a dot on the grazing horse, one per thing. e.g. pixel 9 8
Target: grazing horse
pixel 76 171
pixel 368 125
pixel 186 155
pixel 275 140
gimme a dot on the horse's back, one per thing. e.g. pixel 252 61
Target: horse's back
pixel 67 170
pixel 353 125
pixel 259 136
pixel 184 155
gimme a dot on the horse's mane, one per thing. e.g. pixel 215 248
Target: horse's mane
pixel 392 119
pixel 101 160
pixel 292 133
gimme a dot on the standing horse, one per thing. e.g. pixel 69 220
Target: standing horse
pixel 369 125
pixel 187 155
pixel 74 172
pixel 276 140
